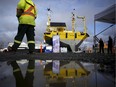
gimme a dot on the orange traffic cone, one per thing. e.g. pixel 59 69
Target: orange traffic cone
pixel 40 48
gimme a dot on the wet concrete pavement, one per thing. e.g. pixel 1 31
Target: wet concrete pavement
pixel 7 78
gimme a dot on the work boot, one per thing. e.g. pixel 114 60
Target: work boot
pixel 9 48
pixel 9 62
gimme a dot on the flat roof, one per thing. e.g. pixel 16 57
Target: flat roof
pixel 108 15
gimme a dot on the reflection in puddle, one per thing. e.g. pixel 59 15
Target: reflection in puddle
pixel 37 73
pixel 26 81
pixel 67 70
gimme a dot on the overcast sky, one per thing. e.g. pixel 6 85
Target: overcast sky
pixel 61 12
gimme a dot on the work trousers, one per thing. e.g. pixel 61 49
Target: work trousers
pixel 26 81
pixel 22 30
pixel 109 49
pixel 101 49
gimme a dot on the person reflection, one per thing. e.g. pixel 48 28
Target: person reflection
pixel 29 77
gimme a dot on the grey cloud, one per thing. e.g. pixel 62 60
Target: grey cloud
pixel 61 12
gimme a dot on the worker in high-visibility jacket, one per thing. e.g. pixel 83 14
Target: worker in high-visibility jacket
pixel 26 14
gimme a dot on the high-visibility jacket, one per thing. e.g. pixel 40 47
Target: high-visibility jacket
pixel 29 12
